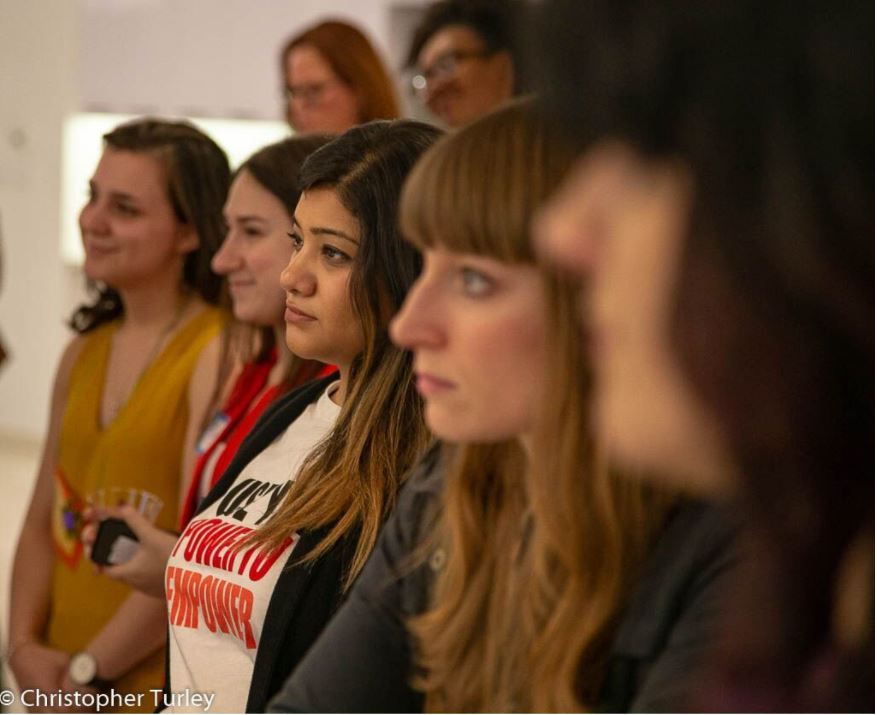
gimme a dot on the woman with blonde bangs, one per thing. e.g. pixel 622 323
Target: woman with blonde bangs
pixel 536 559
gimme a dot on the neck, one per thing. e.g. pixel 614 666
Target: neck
pixel 340 394
pixel 155 303
pixel 284 355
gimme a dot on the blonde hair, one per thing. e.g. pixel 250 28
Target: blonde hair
pixel 541 554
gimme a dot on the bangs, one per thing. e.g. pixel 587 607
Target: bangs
pixel 476 191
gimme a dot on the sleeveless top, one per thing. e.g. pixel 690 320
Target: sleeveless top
pixel 142 448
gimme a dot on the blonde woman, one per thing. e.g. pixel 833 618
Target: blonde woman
pixel 545 580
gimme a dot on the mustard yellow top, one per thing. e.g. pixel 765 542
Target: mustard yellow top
pixel 143 448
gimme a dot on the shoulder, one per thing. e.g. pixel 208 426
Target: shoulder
pixel 288 407
pixel 69 358
pixel 671 621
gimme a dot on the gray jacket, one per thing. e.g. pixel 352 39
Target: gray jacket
pixel 362 662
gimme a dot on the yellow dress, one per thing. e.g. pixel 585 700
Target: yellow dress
pixel 142 447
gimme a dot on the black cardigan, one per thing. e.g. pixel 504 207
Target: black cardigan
pixel 363 660
pixel 305 595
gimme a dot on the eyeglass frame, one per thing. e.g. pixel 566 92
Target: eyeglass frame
pixel 310 93
pixel 421 80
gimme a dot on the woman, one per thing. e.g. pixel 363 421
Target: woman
pixel 130 393
pixel 256 574
pixel 536 593
pixel 728 167
pixel 334 79
pixel 258 215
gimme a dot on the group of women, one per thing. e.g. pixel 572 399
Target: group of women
pixel 568 409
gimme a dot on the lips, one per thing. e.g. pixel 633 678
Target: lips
pixel 430 385
pixel 295 314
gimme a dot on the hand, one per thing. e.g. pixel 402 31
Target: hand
pixel 38 666
pixel 145 570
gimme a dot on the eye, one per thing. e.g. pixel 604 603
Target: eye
pixel 126 209
pixel 475 283
pixel 334 255
pixel 253 232
pixel 296 241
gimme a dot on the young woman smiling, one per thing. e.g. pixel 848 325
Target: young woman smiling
pixel 287 528
pixel 258 367
pixel 130 394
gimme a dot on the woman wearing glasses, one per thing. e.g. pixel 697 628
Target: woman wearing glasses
pixel 334 79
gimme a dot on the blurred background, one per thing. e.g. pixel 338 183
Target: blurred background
pixel 68 69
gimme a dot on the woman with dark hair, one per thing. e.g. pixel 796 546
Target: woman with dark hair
pixel 257 366
pixel 131 391
pixel 287 528
pixel 334 79
pixel 723 212
pixel 520 572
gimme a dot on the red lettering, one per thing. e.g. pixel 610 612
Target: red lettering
pixel 263 563
pixel 206 603
pixel 194 544
pixel 245 610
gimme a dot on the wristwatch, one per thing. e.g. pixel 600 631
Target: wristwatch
pixel 83 671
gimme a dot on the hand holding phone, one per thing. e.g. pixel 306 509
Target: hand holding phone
pixel 114 544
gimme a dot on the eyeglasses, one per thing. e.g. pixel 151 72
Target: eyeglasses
pixel 306 93
pixel 444 67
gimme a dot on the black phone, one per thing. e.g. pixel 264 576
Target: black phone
pixel 114 543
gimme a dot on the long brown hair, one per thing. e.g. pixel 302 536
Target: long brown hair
pixel 348 483
pixel 355 61
pixel 541 553
pixel 197 174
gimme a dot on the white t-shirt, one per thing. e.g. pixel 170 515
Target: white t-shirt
pixel 217 596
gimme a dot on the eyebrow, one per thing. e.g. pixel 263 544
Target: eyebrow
pixel 244 219
pixel 327 231
pixel 92 187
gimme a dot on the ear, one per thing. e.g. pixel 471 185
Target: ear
pixel 187 239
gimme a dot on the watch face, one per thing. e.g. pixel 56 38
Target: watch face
pixel 82 669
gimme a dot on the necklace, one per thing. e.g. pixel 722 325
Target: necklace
pixel 116 405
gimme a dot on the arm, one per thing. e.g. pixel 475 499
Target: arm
pixel 362 662
pixel 35 665
pixel 139 627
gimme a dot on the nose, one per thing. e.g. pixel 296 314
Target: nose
pixel 298 277
pixel 418 324
pixel 227 259
pixel 435 86
pixel 92 218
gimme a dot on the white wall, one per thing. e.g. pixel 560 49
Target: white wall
pixel 214 58
pixel 38 68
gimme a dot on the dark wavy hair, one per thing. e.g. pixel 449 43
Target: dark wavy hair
pixel 348 484
pixel 772 107
pixel 198 177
